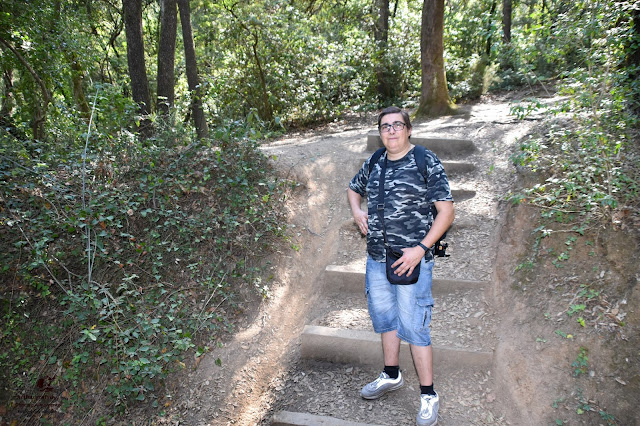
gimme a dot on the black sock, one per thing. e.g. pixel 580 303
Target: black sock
pixel 392 371
pixel 427 390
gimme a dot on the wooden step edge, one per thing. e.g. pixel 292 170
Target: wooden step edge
pixel 453 168
pixel 462 191
pixel 363 347
pixel 442 147
pixel 350 279
pixel 459 195
pixel 461 223
pixel 290 418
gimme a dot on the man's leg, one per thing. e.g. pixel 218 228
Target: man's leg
pixel 391 347
pixel 423 361
pixel 414 326
pixel 429 399
pixel 391 378
pixel 382 301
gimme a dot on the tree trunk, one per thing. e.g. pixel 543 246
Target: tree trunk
pixel 267 112
pixel 434 95
pixel 166 55
pixel 77 76
pixel 40 109
pixel 633 56
pixel 7 101
pixel 487 49
pixel 506 21
pixel 192 70
pixel 633 46
pixel 381 37
pixel 132 11
pixel 7 104
pixel 381 26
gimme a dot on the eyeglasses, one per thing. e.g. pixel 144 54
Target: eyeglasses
pixel 397 126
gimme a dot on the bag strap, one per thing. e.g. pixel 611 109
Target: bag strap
pixel 380 206
pixel 419 156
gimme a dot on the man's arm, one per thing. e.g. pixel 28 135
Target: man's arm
pixel 442 222
pixel 359 215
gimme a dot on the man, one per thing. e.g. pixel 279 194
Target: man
pixel 402 312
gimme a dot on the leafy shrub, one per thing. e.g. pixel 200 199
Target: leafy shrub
pixel 588 151
pixel 132 254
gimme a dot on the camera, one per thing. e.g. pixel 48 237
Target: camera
pixel 440 249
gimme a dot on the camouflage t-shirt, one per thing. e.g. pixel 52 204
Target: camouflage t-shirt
pixel 407 200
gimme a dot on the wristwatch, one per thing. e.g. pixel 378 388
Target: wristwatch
pixel 424 247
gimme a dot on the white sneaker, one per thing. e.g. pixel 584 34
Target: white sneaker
pixel 381 385
pixel 428 414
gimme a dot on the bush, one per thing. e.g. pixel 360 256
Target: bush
pixel 131 255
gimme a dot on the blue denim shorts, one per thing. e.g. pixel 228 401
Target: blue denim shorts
pixel 405 308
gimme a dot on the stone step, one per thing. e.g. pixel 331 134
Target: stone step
pixel 459 195
pixel 453 168
pixel 330 391
pixel 459 223
pixel 443 148
pixel 289 418
pixel 350 279
pixel 463 319
pixel 363 347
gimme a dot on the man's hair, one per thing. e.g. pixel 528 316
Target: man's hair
pixel 395 110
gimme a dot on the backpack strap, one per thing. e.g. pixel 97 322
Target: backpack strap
pixel 419 153
pixel 375 157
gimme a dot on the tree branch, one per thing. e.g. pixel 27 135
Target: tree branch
pixel 45 92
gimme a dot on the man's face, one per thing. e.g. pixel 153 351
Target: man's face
pixel 394 133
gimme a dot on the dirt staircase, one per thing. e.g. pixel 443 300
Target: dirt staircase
pixel 340 353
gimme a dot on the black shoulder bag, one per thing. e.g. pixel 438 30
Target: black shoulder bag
pixel 392 253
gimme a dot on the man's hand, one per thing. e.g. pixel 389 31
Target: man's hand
pixel 409 260
pixel 360 216
pixel 362 220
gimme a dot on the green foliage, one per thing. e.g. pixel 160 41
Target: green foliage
pixel 586 151
pixel 469 28
pixel 581 363
pixel 142 248
pixel 576 308
pixel 303 67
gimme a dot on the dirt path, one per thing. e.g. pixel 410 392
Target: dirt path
pixel 240 382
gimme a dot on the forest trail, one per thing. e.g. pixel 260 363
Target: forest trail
pixel 294 364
